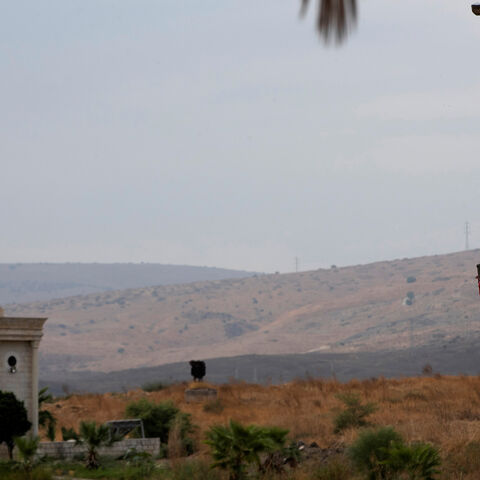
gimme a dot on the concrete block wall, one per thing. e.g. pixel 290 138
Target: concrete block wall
pixel 68 450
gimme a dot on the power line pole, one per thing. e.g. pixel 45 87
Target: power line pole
pixel 467 233
pixel 411 336
pixel 296 264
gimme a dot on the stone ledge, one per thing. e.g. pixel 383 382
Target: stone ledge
pixel 200 394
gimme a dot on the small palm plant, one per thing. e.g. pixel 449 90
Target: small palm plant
pixel 94 436
pixel 27 448
pixel 382 454
pixel 418 460
pixel 235 446
pixel 45 417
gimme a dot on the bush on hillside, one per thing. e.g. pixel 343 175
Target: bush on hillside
pixel 354 415
pixel 158 419
pixel 417 461
pixel 370 451
pixel 382 454
pixel 235 447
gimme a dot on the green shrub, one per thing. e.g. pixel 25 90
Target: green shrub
pixel 158 418
pixel 411 279
pixel 27 448
pixel 69 434
pixel 382 455
pixel 235 447
pixel 418 461
pixel 94 436
pixel 13 420
pixel 371 449
pixel 355 413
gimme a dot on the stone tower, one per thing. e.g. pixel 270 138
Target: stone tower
pixel 19 341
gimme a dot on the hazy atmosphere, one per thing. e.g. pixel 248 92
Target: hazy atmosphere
pixel 226 133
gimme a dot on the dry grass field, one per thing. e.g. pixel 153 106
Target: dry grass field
pixel 442 410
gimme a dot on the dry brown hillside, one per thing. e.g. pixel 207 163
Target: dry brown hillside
pixel 364 307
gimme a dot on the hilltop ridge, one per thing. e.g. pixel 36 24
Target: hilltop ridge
pixel 29 282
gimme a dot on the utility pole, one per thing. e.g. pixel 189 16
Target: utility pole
pixel 411 336
pixel 467 233
pixel 296 264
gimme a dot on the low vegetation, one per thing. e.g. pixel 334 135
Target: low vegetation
pixel 153 386
pixel 235 447
pixel 421 428
pixel 46 419
pixel 165 421
pixel 355 413
pixel 382 454
pixel 93 436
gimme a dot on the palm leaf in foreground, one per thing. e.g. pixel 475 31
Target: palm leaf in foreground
pixel 334 18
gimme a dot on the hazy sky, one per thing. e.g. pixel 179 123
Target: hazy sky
pixel 224 133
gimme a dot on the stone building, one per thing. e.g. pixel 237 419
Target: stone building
pixel 19 341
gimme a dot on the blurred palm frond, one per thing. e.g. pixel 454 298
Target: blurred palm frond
pixel 334 18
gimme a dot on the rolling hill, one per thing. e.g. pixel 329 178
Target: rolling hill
pixel 27 282
pixel 376 307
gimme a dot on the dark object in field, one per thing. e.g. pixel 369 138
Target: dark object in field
pixel 198 369
pixel 478 277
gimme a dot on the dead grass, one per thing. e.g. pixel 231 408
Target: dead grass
pixel 442 410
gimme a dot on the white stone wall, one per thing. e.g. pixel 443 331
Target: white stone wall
pixel 20 383
pixel 68 450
